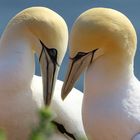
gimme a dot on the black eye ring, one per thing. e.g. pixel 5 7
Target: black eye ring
pixel 81 54
pixel 53 55
pixel 51 52
pixel 78 56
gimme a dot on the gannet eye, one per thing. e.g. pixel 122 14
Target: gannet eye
pixel 78 56
pixel 81 54
pixel 53 55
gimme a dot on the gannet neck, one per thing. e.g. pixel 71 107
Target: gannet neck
pixel 16 61
pixel 106 72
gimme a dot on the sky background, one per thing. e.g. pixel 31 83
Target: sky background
pixel 70 10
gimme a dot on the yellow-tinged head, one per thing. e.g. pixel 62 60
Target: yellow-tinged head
pixel 102 28
pixel 47 34
pixel 99 32
pixel 46 25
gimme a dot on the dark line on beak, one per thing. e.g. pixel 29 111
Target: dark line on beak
pixel 47 82
pixel 41 53
pixel 52 55
pixel 70 70
pixel 47 67
pixel 93 52
pixel 74 59
pixel 78 57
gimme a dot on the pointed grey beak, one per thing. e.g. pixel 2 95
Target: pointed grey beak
pixel 49 71
pixel 76 67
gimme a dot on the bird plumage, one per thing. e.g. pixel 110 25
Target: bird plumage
pixel 34 30
pixel 66 113
pixel 103 44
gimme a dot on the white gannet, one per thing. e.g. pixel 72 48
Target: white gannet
pixel 67 114
pixel 103 44
pixel 34 30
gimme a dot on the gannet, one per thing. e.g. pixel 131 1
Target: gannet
pixel 42 31
pixel 103 44
pixel 38 30
pixel 66 114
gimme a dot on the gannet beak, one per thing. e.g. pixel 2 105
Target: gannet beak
pixel 49 70
pixel 76 66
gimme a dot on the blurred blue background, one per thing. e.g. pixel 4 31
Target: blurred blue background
pixel 70 10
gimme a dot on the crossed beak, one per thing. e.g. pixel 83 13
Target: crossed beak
pixel 49 71
pixel 76 67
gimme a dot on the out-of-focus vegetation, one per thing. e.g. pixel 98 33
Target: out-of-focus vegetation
pixel 44 130
pixel 2 135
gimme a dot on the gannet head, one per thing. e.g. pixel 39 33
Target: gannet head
pixel 96 33
pixel 48 34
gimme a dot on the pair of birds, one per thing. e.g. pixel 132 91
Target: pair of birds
pixel 102 43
